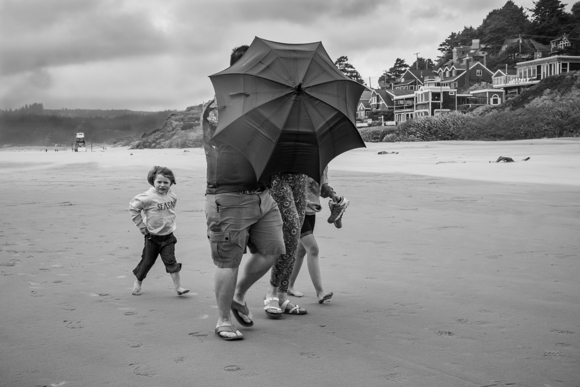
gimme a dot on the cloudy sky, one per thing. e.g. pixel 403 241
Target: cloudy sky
pixel 157 54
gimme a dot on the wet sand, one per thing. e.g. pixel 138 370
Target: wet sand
pixel 448 271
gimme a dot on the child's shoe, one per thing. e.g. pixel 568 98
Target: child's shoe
pixel 337 209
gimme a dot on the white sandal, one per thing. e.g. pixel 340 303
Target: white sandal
pixel 295 310
pixel 269 309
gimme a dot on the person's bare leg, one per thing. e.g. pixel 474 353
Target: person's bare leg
pixel 137 288
pixel 256 267
pixel 225 285
pixel 312 251
pixel 300 254
pixel 177 282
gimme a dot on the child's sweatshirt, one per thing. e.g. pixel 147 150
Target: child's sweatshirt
pixel 154 211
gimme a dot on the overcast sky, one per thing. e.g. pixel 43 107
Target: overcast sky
pixel 157 54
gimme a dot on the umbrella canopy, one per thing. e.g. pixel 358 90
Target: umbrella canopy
pixel 287 108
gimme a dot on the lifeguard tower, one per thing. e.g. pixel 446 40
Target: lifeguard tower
pixel 80 142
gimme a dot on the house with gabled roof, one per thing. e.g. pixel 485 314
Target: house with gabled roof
pixel 364 106
pixel 412 79
pixel 461 77
pixel 382 99
pixel 560 44
pixel 461 54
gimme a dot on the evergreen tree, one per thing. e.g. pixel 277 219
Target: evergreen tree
pixel 348 69
pixel 423 64
pixel 550 20
pixel 463 38
pixel 395 72
pixel 507 22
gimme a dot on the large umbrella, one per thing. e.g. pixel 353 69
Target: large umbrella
pixel 287 108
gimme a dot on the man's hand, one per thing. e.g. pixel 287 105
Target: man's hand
pixel 144 231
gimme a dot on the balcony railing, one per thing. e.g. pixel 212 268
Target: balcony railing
pixel 508 80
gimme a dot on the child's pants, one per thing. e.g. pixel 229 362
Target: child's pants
pixel 156 245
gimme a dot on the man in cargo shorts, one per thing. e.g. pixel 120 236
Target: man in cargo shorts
pixel 240 213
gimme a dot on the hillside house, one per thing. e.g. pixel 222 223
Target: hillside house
pixel 364 106
pixel 491 97
pixel 560 44
pixel 434 99
pixel 531 72
pixel 404 105
pixel 525 48
pixel 476 53
pixel 461 77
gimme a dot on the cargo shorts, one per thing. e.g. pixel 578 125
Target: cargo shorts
pixel 236 220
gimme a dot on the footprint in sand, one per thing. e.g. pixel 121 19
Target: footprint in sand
pixel 309 355
pixel 232 368
pixel 395 377
pixel 444 333
pixel 142 370
pixel 562 332
pixel 73 324
pixel 553 353
pixel 563 345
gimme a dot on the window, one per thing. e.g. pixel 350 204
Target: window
pixel 478 73
pixel 495 100
pixel 564 67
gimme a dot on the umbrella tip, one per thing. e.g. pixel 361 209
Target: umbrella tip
pixel 298 88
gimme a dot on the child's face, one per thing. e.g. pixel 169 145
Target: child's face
pixel 161 184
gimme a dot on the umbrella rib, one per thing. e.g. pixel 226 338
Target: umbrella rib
pixel 262 77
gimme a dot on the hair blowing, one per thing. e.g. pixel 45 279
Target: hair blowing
pixel 157 170
pixel 237 53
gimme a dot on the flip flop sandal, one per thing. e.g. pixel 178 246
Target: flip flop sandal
pixel 326 297
pixel 295 310
pixel 228 329
pixel 238 308
pixel 269 312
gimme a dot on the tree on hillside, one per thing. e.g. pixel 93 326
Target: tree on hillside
pixel 394 73
pixel 423 64
pixel 550 20
pixel 507 22
pixel 348 69
pixel 462 38
pixel 576 12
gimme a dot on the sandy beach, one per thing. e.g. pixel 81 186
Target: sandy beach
pixel 449 271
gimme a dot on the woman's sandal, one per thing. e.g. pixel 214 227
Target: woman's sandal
pixel 269 309
pixel 228 329
pixel 295 309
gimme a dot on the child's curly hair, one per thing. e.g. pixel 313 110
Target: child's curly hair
pixel 157 170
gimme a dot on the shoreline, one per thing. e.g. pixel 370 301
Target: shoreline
pixel 551 161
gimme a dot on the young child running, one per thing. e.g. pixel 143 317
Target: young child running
pixel 154 213
pixel 308 245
